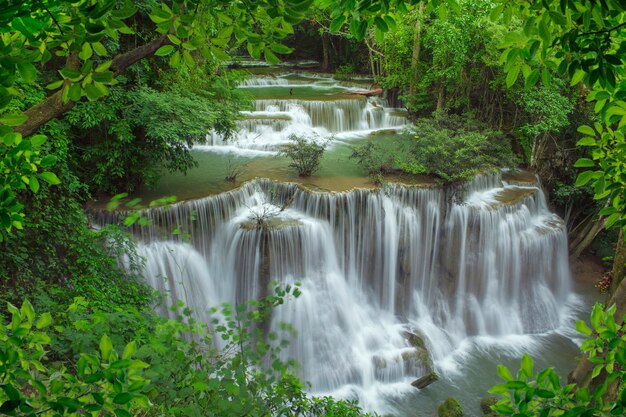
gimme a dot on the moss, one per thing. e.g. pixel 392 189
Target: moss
pixel 450 408
pixel 485 405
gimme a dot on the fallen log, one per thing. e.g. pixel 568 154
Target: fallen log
pixel 366 93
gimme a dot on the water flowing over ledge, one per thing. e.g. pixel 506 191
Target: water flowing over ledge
pixel 394 280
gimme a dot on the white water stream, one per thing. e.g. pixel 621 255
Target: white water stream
pixel 491 268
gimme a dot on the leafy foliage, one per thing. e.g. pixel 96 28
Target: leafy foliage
pixel 456 149
pixel 98 40
pixel 373 158
pixel 125 140
pixel 583 41
pixel 542 394
pixel 100 382
pixel 167 368
pixel 305 154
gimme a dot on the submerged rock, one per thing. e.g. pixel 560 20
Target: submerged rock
pixel 425 381
pixel 450 408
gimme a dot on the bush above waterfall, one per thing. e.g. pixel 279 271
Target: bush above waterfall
pixel 455 148
pixel 305 154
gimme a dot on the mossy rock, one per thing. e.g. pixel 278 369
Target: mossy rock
pixel 450 408
pixel 485 405
pixel 415 339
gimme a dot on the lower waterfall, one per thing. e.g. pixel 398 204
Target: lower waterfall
pixel 394 281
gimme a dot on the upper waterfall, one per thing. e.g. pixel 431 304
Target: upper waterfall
pixel 313 106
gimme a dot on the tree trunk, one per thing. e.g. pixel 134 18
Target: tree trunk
pixel 440 99
pixel 417 48
pixel 325 52
pixel 585 240
pixel 53 107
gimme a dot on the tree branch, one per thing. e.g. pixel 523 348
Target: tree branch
pixel 609 30
pixel 53 107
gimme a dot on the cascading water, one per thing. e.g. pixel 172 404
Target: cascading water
pixel 316 107
pixel 395 281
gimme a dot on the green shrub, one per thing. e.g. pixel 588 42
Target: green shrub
pixel 167 368
pixel 100 382
pixel 305 154
pixel 455 149
pixel 530 395
pixel 373 158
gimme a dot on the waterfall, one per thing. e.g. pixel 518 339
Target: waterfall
pixel 312 105
pixel 374 265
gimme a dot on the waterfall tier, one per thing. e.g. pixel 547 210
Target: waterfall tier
pixel 488 261
pixel 311 105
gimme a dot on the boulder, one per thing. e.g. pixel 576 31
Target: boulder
pixel 485 406
pixel 450 408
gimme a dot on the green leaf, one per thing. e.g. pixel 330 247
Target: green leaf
pixel 532 79
pixel 164 50
pixel 558 18
pixel 50 178
pixel 27 71
pixel 44 321
pixel 33 183
pixel 92 92
pixel 584 163
pixel 586 130
pixel 254 49
pixel 129 350
pixel 175 60
pixel 504 373
pixel 48 161
pixel 188 59
pixel 38 140
pixel 106 347
pixel 75 92
pixel 511 77
pixel 280 49
pixel 337 23
pixel 103 77
pixel 104 66
pixel 13 119
pixel 219 54
pixel 584 178
pixel 582 327
pixel 70 74
pixel 577 77
pixel 86 52
pixel 99 49
pixel 527 365
pixel 55 85
pixel 11 392
pixel 596 314
pixel 270 57
pixel 123 398
pixel 586 141
pixel 544 393
pixel 120 412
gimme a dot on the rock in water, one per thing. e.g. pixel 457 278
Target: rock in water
pixel 450 408
pixel 425 381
